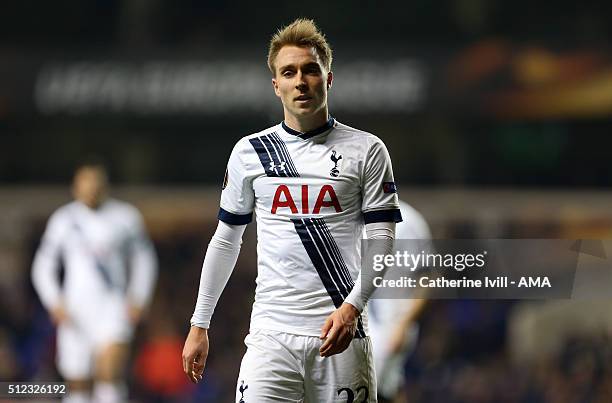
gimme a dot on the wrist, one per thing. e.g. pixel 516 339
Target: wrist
pixel 198 329
pixel 348 307
pixel 354 299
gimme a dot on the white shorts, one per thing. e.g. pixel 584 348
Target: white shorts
pixel 86 333
pixel 282 367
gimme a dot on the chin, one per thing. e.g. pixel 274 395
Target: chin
pixel 303 111
pixel 309 109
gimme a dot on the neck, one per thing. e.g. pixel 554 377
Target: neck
pixel 92 204
pixel 305 124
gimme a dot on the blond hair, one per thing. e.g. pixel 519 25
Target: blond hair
pixel 303 33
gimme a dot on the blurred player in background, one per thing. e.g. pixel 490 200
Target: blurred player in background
pixel 314 183
pixel 393 326
pixel 97 238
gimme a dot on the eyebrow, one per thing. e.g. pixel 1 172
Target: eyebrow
pixel 309 64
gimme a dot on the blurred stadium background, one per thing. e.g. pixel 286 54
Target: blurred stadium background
pixel 497 116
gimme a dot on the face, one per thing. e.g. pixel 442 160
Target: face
pixel 89 186
pixel 301 81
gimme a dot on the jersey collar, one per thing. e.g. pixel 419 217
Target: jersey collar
pixel 328 125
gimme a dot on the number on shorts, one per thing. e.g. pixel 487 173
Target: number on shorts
pixel 350 395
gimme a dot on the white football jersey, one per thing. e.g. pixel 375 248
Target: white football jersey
pixel 96 246
pixel 312 193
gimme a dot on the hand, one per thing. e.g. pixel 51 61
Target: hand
pixel 134 313
pixel 195 353
pixel 59 315
pixel 338 330
pixel 397 339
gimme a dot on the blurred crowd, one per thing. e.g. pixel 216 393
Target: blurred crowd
pixel 464 356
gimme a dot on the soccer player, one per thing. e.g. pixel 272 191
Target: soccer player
pixel 98 305
pixel 392 322
pixel 314 183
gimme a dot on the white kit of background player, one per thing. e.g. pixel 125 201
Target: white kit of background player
pixel 393 326
pixel 97 245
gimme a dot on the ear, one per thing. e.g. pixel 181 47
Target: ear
pixel 275 85
pixel 330 79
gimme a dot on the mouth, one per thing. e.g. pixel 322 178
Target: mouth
pixel 303 98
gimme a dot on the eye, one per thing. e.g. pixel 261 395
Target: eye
pixel 312 69
pixel 287 73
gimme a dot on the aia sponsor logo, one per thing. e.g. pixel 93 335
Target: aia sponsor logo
pixel 326 199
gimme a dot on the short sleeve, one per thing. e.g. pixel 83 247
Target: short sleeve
pixel 380 202
pixel 237 196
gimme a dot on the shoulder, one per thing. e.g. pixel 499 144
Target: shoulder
pixel 413 224
pixel 365 145
pixel 347 132
pixel 63 213
pixel 120 207
pixel 61 219
pixel 246 150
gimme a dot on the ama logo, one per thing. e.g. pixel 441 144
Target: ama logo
pixel 326 198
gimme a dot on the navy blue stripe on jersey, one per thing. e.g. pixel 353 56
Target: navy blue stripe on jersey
pixel 279 167
pixel 285 153
pixel 391 215
pixel 334 252
pixel 360 333
pixel 336 260
pixel 100 267
pixel 315 258
pixel 273 141
pixel 234 219
pixel 275 161
pixel 262 153
pixel 330 269
pixel 332 265
pixel 328 125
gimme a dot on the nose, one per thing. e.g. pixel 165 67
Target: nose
pixel 300 82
